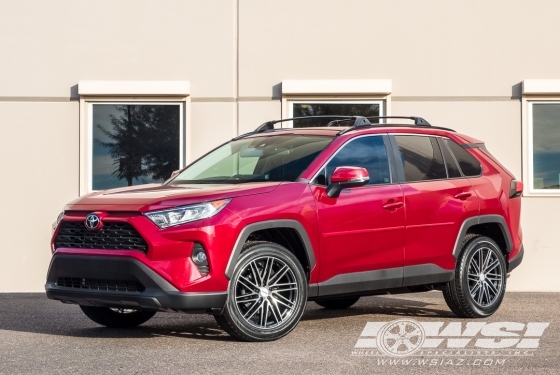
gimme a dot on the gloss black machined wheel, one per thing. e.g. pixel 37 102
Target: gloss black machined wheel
pixel 117 317
pixel 479 285
pixel 267 294
pixel 485 276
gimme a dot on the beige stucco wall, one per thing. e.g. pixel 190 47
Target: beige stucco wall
pixel 39 175
pixel 458 64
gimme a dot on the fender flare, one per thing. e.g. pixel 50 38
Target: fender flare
pixel 285 223
pixel 483 219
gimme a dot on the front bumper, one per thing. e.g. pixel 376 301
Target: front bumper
pixel 156 293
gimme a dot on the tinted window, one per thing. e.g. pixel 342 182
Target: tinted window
pixel 421 158
pixel 469 165
pixel 365 152
pixel 453 170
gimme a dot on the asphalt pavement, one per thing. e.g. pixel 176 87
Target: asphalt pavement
pixel 40 336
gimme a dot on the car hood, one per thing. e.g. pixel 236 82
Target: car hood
pixel 156 196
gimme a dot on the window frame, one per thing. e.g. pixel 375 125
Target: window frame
pixel 390 159
pixel 528 170
pixel 439 139
pixel 86 129
pixel 402 178
pixel 290 104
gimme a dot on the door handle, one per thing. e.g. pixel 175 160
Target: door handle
pixel 464 195
pixel 392 205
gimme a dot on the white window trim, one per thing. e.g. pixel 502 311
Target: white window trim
pixel 364 91
pixel 289 124
pixel 535 91
pixel 129 92
pixel 528 146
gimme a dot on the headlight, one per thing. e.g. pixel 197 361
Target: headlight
pixel 186 214
pixel 58 220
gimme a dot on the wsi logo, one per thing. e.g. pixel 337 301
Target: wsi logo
pixel 406 337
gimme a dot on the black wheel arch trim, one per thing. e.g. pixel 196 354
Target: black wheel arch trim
pixel 516 261
pixel 270 224
pixel 483 219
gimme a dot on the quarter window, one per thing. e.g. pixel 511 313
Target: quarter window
pixel 453 170
pixel 421 158
pixel 468 164
pixel 134 143
pixel 365 152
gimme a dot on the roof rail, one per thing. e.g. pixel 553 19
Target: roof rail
pixel 359 122
pixel 269 125
pixel 418 121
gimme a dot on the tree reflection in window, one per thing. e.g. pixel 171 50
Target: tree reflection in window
pixel 134 144
pixel 331 109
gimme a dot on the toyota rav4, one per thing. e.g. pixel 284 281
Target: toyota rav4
pixel 274 218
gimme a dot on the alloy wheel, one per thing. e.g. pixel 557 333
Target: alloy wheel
pixel 266 292
pixel 485 276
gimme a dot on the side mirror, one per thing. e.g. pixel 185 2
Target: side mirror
pixel 346 177
pixel 175 173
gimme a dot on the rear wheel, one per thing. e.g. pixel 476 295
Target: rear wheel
pixel 479 284
pixel 337 304
pixel 267 294
pixel 117 317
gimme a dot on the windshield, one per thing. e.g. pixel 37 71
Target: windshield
pixel 271 158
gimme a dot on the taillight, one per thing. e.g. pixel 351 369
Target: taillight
pixel 516 188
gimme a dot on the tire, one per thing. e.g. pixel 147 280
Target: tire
pixel 475 294
pixel 267 294
pixel 337 304
pixel 117 318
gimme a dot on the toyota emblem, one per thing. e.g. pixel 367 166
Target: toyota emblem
pixel 93 222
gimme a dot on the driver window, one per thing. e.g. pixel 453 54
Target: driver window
pixel 366 152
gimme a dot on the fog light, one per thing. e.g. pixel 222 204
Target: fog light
pixel 200 259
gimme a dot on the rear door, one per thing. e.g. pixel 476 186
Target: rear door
pixel 438 198
pixel 362 231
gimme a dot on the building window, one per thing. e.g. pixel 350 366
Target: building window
pixel 362 97
pixel 132 132
pixel 544 146
pixel 327 108
pixel 134 143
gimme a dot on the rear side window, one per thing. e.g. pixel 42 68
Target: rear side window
pixel 421 158
pixel 468 164
pixel 453 170
pixel 366 152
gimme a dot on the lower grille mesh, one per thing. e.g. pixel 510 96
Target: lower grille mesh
pixel 100 284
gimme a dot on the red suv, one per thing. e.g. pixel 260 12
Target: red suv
pixel 260 225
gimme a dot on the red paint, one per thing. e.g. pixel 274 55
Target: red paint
pixel 365 228
pixel 344 174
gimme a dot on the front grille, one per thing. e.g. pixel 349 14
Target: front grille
pixel 100 284
pixel 113 236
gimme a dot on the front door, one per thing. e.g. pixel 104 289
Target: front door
pixel 362 231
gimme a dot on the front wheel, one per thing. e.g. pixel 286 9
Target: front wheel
pixel 267 294
pixel 479 284
pixel 117 317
